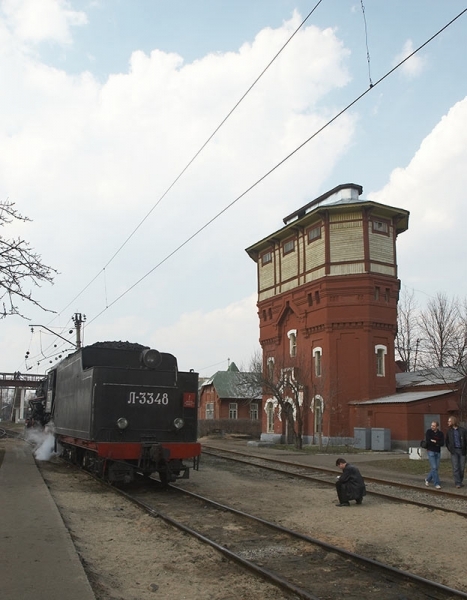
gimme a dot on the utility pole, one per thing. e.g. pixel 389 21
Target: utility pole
pixel 78 320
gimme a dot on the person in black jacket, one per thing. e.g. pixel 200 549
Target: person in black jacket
pixel 349 485
pixel 456 443
pixel 434 439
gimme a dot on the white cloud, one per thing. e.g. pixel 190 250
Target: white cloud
pixel 431 253
pixel 415 65
pixel 86 161
pixel 40 20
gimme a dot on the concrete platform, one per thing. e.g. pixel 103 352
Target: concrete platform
pixel 38 560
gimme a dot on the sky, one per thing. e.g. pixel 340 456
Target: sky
pixel 104 104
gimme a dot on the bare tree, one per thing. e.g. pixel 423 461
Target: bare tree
pixel 442 333
pixel 288 386
pixel 20 266
pixel 407 338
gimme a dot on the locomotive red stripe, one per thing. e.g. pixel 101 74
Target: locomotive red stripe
pixel 132 450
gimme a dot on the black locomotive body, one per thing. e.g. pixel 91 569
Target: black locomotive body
pixel 118 409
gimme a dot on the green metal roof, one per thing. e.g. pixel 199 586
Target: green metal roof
pixel 235 385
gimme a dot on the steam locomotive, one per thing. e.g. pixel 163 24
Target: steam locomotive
pixel 118 409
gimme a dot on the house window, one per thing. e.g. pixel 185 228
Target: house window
pixel 254 411
pixel 210 410
pixel 270 417
pixel 376 293
pixel 233 410
pixel 289 246
pixel 386 295
pixel 380 227
pixel 310 299
pixel 266 258
pixel 292 335
pixel 314 234
pixel 317 297
pixel 317 354
pixel 381 352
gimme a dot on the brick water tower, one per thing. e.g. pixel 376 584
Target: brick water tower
pixel 327 306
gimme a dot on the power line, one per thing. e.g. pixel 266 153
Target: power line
pixel 340 113
pixel 191 160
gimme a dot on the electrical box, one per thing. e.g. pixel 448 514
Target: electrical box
pixel 380 439
pixel 362 438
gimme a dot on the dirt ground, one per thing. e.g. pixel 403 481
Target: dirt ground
pixel 129 556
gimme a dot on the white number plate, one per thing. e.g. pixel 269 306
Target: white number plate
pixel 148 398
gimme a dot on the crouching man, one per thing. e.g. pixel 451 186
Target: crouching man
pixel 349 485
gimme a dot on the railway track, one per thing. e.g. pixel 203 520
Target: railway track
pixel 449 502
pixel 301 565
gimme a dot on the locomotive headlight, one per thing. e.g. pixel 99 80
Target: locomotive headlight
pixel 122 423
pixel 179 423
pixel 151 358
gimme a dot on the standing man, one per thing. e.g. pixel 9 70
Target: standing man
pixel 349 485
pixel 456 443
pixel 434 438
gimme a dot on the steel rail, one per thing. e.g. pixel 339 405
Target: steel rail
pixel 409 486
pixel 329 547
pixel 266 574
pixel 258 570
pixel 317 479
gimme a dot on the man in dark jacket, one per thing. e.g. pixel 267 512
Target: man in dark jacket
pixel 349 485
pixel 456 443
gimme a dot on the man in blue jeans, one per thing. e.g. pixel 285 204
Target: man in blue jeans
pixel 434 438
pixel 456 443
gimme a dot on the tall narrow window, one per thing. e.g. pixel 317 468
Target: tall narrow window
pixel 233 410
pixel 318 410
pixel 270 417
pixel 376 293
pixel 271 368
pixel 317 354
pixel 381 352
pixel 292 335
pixel 210 410
pixel 254 411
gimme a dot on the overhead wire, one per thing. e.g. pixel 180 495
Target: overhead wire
pixel 190 162
pixel 280 163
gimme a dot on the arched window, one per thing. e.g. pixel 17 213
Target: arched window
pixel 270 368
pixel 292 335
pixel 380 352
pixel 270 417
pixel 317 354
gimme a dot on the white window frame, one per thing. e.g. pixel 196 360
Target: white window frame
pixel 233 410
pixel 270 368
pixel 380 351
pixel 269 408
pixel 317 356
pixel 292 335
pixel 209 410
